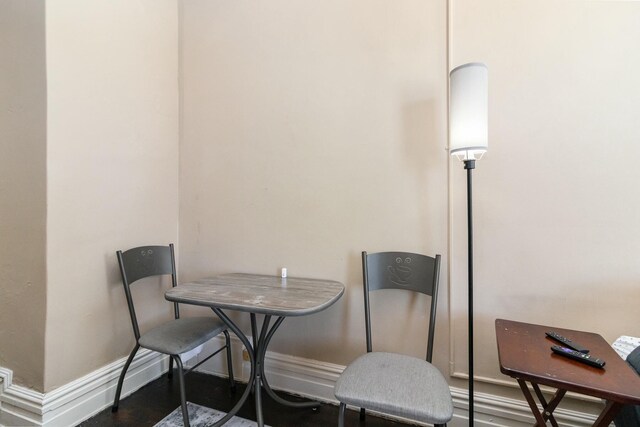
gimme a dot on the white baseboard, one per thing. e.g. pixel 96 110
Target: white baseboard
pixel 85 397
pixel 79 399
pixel 491 410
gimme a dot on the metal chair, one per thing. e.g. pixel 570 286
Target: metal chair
pixel 176 336
pixel 392 383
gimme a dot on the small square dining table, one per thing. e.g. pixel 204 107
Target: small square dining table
pixel 258 294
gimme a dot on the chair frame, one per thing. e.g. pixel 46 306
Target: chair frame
pixel 370 286
pixel 160 269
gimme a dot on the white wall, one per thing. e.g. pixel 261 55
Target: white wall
pixel 313 131
pixel 22 189
pixel 112 169
pixel 556 208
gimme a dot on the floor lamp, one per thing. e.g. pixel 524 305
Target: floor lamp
pixel 468 140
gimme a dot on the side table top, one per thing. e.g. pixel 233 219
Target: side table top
pixel 525 353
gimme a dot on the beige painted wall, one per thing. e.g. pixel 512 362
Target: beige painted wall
pixel 313 131
pixel 556 206
pixel 112 170
pixel 22 189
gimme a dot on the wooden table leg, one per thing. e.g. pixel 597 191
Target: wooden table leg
pixel 547 407
pixel 551 406
pixel 608 414
pixel 540 421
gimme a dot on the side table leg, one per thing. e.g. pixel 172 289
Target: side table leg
pixel 548 408
pixel 540 422
pixel 608 414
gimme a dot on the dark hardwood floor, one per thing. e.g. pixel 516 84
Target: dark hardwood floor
pixel 156 400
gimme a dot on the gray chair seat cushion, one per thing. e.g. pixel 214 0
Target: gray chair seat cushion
pixel 398 385
pixel 181 335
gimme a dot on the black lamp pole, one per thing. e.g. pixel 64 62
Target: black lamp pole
pixel 469 165
pixel 468 138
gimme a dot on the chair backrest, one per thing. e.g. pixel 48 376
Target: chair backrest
pixel 401 270
pixel 145 261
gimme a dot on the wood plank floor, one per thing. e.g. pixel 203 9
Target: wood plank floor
pixel 156 400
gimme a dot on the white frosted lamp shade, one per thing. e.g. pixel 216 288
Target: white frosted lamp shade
pixel 468 110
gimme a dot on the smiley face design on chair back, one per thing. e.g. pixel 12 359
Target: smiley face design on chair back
pixel 400 272
pixel 147 260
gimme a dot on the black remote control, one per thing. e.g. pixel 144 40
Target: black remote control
pixel 580 357
pixel 566 342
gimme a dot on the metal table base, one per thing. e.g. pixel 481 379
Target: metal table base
pixel 257 379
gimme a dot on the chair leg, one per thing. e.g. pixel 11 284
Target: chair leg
pixel 116 400
pixel 343 406
pixel 232 383
pixel 362 412
pixel 170 373
pixel 183 395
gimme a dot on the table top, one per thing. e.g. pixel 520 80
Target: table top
pixel 260 294
pixel 525 353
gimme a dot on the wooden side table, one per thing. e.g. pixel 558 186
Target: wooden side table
pixel 524 352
